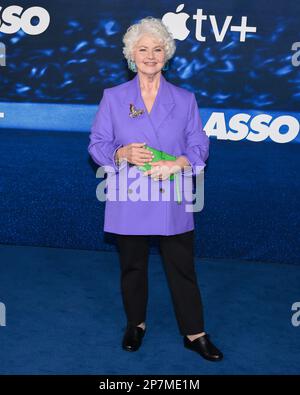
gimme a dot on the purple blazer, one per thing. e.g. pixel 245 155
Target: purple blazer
pixel 173 126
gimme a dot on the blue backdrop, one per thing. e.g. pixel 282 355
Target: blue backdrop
pixel 248 94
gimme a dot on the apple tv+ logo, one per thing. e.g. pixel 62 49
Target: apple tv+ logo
pixel 176 22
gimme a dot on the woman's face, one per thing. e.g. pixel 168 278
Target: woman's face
pixel 149 55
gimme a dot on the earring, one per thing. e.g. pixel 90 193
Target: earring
pixel 132 66
pixel 166 66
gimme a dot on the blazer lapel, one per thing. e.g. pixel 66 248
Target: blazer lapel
pixel 163 104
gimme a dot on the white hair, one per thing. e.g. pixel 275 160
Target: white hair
pixel 154 27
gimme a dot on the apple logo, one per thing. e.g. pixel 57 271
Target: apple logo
pixel 177 23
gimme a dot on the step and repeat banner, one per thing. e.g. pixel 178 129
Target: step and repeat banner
pixel 240 58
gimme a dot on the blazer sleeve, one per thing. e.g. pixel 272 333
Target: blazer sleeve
pixel 196 141
pixel 103 145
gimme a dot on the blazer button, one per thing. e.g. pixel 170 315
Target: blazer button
pixel 129 190
pixel 162 190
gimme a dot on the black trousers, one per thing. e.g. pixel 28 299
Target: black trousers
pixel 177 253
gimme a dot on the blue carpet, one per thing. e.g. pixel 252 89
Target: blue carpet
pixel 65 316
pixel 251 209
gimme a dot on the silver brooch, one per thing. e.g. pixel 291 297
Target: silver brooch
pixel 134 112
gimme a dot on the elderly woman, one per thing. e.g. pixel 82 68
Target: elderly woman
pixel 142 114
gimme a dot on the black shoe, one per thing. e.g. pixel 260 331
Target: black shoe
pixel 203 346
pixel 133 338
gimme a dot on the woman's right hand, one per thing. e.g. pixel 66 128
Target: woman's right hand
pixel 135 153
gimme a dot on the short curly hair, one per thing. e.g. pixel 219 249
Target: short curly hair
pixel 149 25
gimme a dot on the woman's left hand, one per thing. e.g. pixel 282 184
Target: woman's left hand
pixel 162 169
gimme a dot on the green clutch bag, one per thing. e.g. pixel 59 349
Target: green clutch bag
pixel 161 155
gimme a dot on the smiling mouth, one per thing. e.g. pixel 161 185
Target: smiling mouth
pixel 150 63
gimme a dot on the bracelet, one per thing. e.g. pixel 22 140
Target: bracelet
pixel 117 159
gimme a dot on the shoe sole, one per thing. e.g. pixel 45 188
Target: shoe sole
pixel 208 359
pixel 130 349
